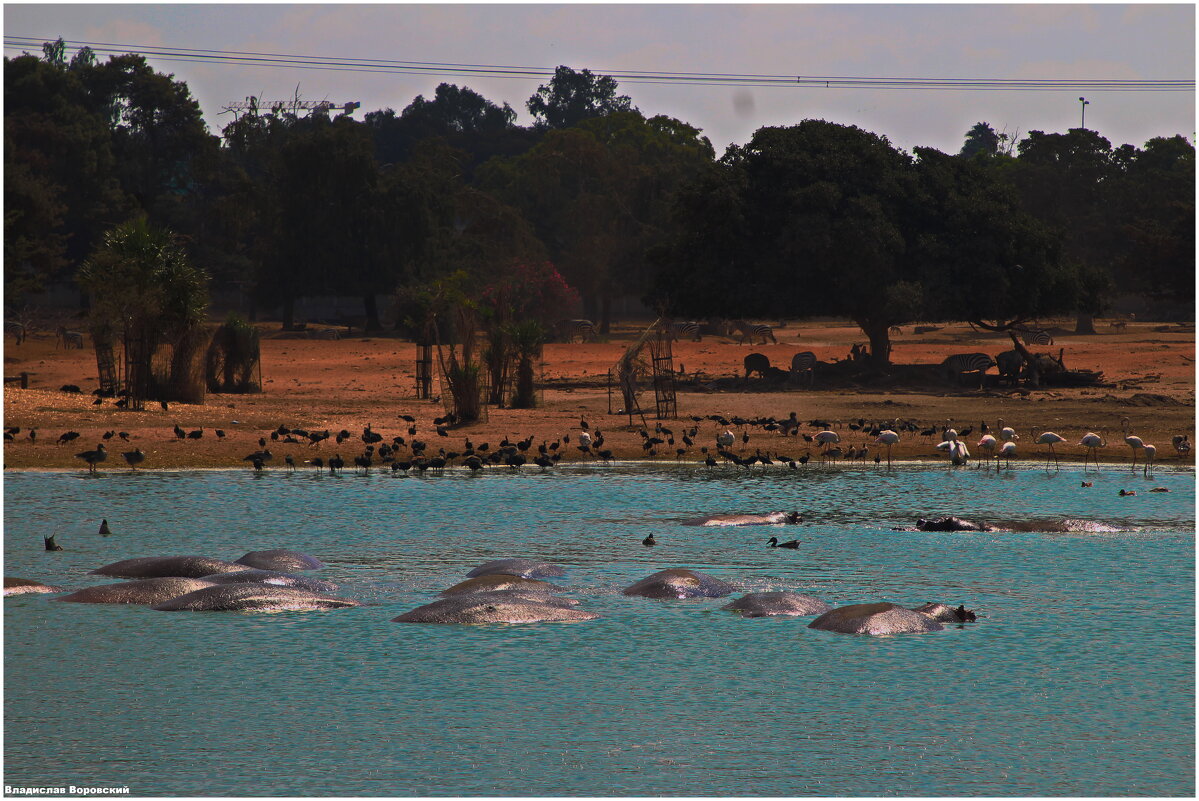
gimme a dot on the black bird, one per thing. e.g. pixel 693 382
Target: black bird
pixel 122 403
pixel 262 442
pixel 164 406
pixel 649 540
pixel 774 543
pixel 51 545
pixel 134 457
pixel 123 435
pixel 67 437
pixel 199 432
pixel 98 402
pixel 261 456
pixel 336 463
pixel 179 432
pixel 93 458
pixel 318 463
pixel 33 435
pixel 257 464
pixel 442 432
pixel 105 531
pixel 108 435
pixel 407 418
pixel 220 434
pixel 291 463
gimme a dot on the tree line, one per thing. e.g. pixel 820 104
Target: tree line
pixel 816 218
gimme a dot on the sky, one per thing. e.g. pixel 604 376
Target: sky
pixel 1042 41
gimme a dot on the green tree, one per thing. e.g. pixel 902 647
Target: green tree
pixel 573 96
pixel 821 218
pixel 142 284
pixel 981 139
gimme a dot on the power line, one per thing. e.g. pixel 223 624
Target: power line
pixel 363 65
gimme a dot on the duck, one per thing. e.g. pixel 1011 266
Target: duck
pixel 773 542
pixel 51 545
pixel 649 541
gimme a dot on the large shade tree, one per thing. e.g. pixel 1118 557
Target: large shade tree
pixel 820 218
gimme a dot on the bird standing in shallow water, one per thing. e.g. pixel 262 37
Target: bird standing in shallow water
pixel 1049 438
pixel 93 458
pixel 1091 442
pixel 134 457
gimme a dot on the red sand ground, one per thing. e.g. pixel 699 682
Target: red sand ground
pixel 349 383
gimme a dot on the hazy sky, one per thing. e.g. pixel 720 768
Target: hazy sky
pixel 924 41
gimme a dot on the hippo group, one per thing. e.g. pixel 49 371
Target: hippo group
pixel 509 591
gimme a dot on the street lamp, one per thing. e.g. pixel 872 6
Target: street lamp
pixel 1085 103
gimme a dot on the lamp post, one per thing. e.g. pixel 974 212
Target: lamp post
pixel 1085 103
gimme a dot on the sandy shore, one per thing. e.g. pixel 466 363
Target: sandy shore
pixel 355 382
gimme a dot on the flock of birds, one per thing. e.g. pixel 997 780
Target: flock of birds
pixel 401 455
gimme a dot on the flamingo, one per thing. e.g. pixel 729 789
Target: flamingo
pixel 1006 433
pixel 988 443
pixel 1150 452
pixel 1049 438
pixel 1091 442
pixel 725 440
pixel 888 438
pixel 958 454
pixel 1007 452
pixel 1131 441
pixel 826 438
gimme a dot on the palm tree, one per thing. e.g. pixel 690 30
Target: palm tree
pixel 142 284
pixel 527 338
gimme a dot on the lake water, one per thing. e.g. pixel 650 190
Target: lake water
pixel 1077 679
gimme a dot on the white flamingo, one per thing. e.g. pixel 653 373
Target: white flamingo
pixel 1006 433
pixel 988 444
pixel 888 438
pixel 1049 438
pixel 1150 452
pixel 1091 442
pixel 826 438
pixel 1007 452
pixel 1133 442
pixel 725 440
pixel 958 453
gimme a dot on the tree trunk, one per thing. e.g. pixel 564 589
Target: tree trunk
pixel 590 307
pixel 289 313
pixel 605 315
pixel 370 305
pixel 879 334
pixel 525 395
pixel 1084 324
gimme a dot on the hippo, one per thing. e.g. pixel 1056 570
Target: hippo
pixel 251 598
pixel 522 568
pixel 499 581
pixel 950 523
pixel 146 592
pixel 160 566
pixel 877 618
pixel 679 582
pixel 492 607
pixel 946 614
pixel 770 604
pixel 20 586
pixel 272 577
pixel 280 559
pixel 770 518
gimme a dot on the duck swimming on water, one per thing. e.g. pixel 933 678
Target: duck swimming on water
pixel 773 542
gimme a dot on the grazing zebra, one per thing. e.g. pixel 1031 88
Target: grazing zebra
pixel 804 362
pixel 69 339
pixel 1038 337
pixel 569 329
pixel 960 363
pixel 687 330
pixel 752 331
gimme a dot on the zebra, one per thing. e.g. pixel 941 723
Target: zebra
pixel 752 331
pixel 17 329
pixel 960 363
pixel 1038 337
pixel 569 329
pixel 688 330
pixel 69 339
pixel 804 362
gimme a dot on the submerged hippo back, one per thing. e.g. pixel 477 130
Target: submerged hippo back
pixel 251 598
pixel 144 591
pixel 679 583
pixel 161 566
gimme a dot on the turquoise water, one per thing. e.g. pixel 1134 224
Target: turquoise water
pixel 1077 679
